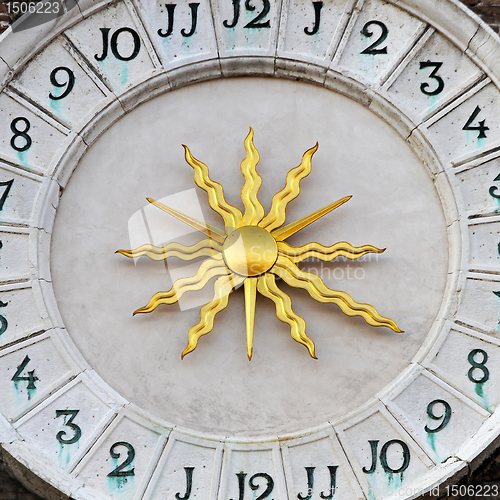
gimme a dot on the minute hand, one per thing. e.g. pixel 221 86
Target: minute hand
pixel 207 229
pixel 285 232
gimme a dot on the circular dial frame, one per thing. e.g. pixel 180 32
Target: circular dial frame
pixel 433 83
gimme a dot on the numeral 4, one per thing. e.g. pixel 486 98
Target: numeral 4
pixel 31 378
pixel 481 128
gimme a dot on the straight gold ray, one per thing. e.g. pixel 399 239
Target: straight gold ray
pixel 207 229
pixel 250 296
pixel 285 232
pixel 276 216
pixel 231 215
pixel 208 269
pixel 203 248
pixel 268 288
pixel 293 276
pixel 326 254
pixel 254 211
pixel 222 287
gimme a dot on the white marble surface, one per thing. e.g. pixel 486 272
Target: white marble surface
pixel 216 389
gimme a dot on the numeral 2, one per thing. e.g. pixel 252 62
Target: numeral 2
pixel 381 39
pixel 118 471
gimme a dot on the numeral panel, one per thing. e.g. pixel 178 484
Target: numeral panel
pixel 29 372
pixel 436 415
pixel 375 41
pixel 252 470
pixel 113 43
pixel 244 27
pixel 471 128
pixel 182 31
pixel 310 30
pixel 479 186
pixel 468 361
pixel 122 461
pixel 26 139
pixel 316 467
pixel 189 469
pixel 68 422
pixel 434 72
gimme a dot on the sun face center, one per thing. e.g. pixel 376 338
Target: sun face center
pixel 250 251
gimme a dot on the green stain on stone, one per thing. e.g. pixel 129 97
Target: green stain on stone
pixel 117 484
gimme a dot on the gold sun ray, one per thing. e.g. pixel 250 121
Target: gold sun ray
pixel 268 288
pixel 207 270
pixel 223 286
pixel 293 276
pixel 203 248
pixel 276 216
pixel 254 211
pixel 231 215
pixel 326 254
pixel 252 251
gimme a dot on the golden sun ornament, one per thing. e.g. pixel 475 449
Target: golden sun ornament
pixel 251 250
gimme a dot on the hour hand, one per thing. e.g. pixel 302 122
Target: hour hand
pixel 207 229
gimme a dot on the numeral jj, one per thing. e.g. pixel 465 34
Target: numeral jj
pixel 310 483
pixel 114 44
pixel 170 19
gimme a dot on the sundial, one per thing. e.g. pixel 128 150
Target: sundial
pixel 188 188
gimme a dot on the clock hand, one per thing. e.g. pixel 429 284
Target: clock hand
pixel 284 232
pixel 207 229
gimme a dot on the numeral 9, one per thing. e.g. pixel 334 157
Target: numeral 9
pixel 69 84
pixel 445 417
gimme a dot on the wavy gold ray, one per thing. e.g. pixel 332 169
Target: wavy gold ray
pixel 203 248
pixel 276 216
pixel 222 287
pixel 231 215
pixel 327 254
pixel 285 232
pixel 208 269
pixel 254 211
pixel 292 275
pixel 268 288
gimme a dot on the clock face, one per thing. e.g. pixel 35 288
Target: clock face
pixel 394 289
